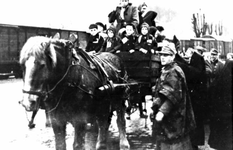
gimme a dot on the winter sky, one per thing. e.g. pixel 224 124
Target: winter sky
pixel 79 14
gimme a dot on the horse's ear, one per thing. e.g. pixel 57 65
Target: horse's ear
pixel 51 53
pixel 57 36
pixel 73 37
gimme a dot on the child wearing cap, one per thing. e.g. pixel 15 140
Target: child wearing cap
pixel 128 38
pixel 112 42
pixel 95 42
pixel 102 29
pixel 146 42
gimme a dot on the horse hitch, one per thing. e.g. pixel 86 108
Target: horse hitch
pixel 114 87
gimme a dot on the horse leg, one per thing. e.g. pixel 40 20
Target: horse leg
pixel 59 130
pixel 31 122
pixel 79 136
pixel 124 143
pixel 48 121
pixel 103 125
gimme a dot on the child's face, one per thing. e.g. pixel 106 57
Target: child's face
pixel 124 3
pixel 144 30
pixel 110 33
pixel 129 30
pixel 144 8
pixel 93 31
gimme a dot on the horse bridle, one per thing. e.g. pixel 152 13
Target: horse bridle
pixel 46 94
pixel 40 94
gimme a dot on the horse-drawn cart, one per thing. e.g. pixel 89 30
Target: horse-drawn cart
pixel 142 70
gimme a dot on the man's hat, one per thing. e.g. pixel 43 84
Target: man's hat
pixel 200 48
pixel 213 51
pixel 168 48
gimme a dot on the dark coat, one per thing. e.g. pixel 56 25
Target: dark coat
pixel 112 44
pixel 95 43
pixel 174 103
pixel 130 16
pixel 147 42
pixel 221 109
pixel 149 18
pixel 216 67
pixel 197 84
pixel 130 44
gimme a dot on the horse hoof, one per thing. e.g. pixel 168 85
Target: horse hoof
pixel 31 126
pixel 124 145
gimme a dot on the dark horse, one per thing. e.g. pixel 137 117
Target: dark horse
pixel 55 73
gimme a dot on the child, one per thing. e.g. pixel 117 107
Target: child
pixel 128 39
pixel 112 42
pixel 95 41
pixel 102 29
pixel 145 42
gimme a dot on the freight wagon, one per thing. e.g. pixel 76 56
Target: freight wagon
pixel 12 39
pixel 223 45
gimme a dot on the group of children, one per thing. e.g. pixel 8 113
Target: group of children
pixel 126 40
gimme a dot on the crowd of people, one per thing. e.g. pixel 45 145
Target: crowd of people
pixel 183 95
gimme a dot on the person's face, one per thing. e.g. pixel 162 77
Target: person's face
pixel 189 53
pixel 93 31
pixel 144 8
pixel 124 3
pixel 129 30
pixel 213 57
pixel 110 33
pixel 166 59
pixel 144 30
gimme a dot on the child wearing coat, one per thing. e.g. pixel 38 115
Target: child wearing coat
pixel 128 38
pixel 95 42
pixel 113 41
pixel 146 42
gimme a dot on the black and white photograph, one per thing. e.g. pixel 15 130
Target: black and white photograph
pixel 116 75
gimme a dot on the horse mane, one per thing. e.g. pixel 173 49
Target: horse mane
pixel 41 47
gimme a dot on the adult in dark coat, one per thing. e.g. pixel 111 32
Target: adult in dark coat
pixel 221 109
pixel 196 80
pixel 172 107
pixel 147 16
pixel 215 65
pixel 124 14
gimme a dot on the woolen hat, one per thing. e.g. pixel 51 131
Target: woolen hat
pixel 112 28
pixel 144 4
pixel 144 24
pixel 92 26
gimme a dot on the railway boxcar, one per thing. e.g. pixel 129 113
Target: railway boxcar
pixel 222 44
pixel 12 39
